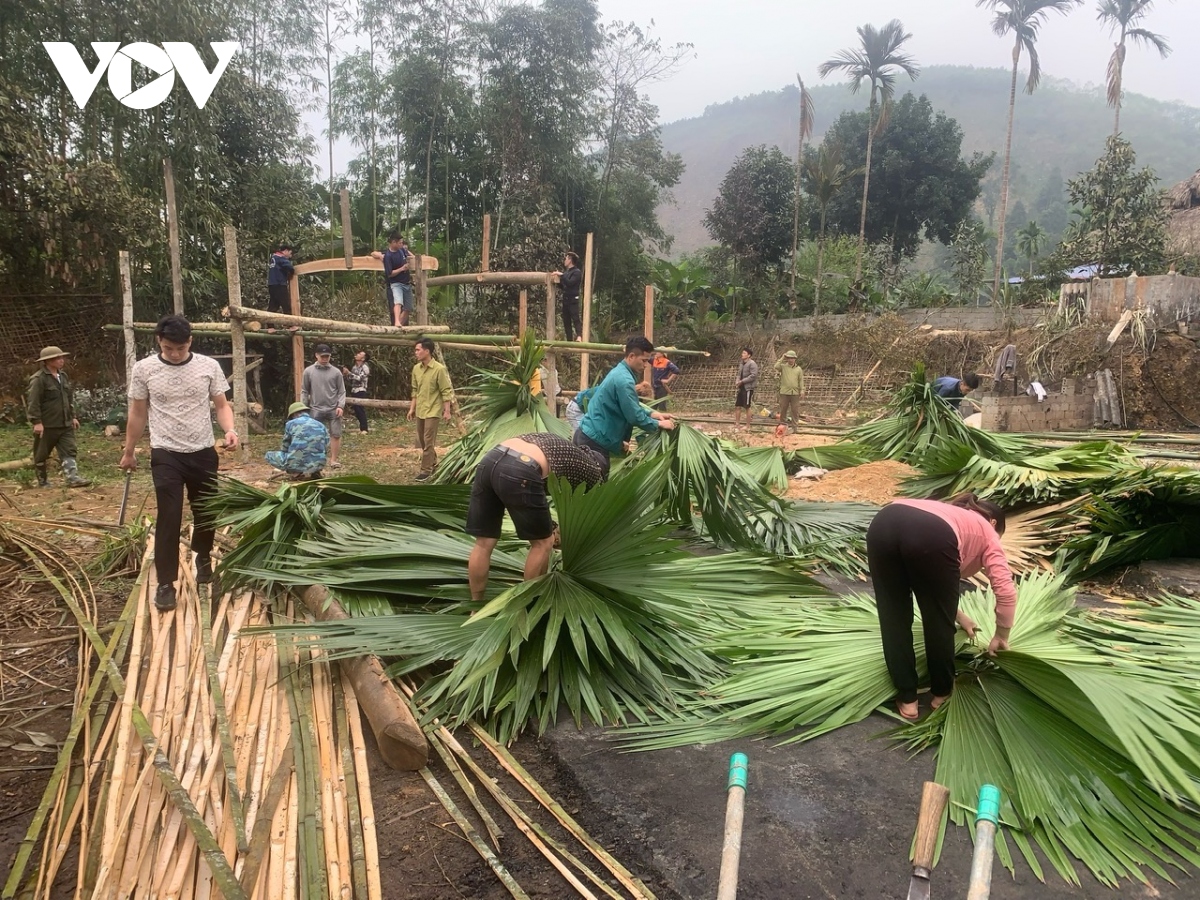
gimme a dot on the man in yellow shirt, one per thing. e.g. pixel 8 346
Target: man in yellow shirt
pixel 791 389
pixel 431 394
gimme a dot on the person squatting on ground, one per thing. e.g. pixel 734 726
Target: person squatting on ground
pixel 432 395
pixel 791 389
pixel 397 274
pixel 569 280
pixel 323 391
pixel 280 272
pixel 171 391
pixel 50 408
pixel 512 476
pixel 615 408
pixel 662 373
pixel 925 547
pixel 360 383
pixel 747 380
pixel 953 390
pixel 305 445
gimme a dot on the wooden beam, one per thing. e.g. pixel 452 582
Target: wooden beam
pixel 173 238
pixel 347 231
pixel 369 403
pixel 485 254
pixel 522 313
pixel 241 417
pixel 551 386
pixel 361 263
pixel 333 325
pixel 421 289
pixel 585 361
pixel 521 278
pixel 298 339
pixel 648 299
pixel 127 314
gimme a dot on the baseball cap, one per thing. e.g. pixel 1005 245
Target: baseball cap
pixel 323 349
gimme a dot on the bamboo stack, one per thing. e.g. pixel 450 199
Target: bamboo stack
pixel 251 781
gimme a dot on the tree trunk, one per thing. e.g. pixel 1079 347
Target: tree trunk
pixel 796 200
pixel 862 219
pixel 820 263
pixel 1003 212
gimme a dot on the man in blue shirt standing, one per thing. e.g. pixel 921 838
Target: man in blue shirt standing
pixel 615 408
pixel 952 389
pixel 279 272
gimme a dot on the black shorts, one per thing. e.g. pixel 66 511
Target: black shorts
pixel 279 299
pixel 745 398
pixel 509 480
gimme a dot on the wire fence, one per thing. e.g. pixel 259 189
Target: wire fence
pixel 824 391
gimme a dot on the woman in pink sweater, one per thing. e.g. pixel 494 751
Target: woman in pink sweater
pixel 925 547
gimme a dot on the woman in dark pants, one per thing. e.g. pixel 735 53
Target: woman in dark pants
pixel 924 547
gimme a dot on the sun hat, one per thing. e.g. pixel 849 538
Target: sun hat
pixel 791 354
pixel 51 353
pixel 298 406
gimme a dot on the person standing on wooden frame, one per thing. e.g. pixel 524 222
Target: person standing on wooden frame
pixel 569 280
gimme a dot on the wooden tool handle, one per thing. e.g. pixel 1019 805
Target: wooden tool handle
pixel 933 803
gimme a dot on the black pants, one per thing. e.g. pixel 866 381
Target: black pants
pixel 579 439
pixel 911 551
pixel 62 439
pixel 173 473
pixel 360 412
pixel 279 299
pixel 572 320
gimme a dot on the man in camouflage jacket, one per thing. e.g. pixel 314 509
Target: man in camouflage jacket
pixel 50 407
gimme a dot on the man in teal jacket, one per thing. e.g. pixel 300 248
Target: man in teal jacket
pixel 615 409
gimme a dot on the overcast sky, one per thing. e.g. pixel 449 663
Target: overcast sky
pixel 750 46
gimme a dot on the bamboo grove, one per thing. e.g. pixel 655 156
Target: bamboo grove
pixel 636 626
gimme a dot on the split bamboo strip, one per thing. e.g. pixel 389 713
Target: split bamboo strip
pixel 218 699
pixel 358 850
pixel 473 836
pixel 117 642
pixel 222 872
pixel 363 773
pixel 263 835
pixel 514 768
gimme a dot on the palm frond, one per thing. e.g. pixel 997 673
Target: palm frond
pixel 842 455
pixel 765 465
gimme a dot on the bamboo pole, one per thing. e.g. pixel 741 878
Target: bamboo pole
pixel 241 417
pixel 522 313
pixel 517 278
pixel 585 361
pixel 127 313
pixel 486 245
pixel 551 361
pixel 298 361
pixel 421 287
pixel 274 318
pixel 347 232
pixel 173 238
pixel 350 790
pixel 366 804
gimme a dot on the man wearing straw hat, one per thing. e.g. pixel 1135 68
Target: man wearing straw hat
pixel 305 445
pixel 50 406
pixel 791 389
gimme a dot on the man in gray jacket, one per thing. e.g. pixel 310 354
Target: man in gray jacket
pixel 747 380
pixel 323 391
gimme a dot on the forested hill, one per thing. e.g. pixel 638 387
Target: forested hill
pixel 1060 131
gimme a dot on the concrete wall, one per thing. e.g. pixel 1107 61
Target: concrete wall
pixel 1067 411
pixel 951 318
pixel 1168 298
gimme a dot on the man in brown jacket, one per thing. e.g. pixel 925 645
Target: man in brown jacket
pixel 50 407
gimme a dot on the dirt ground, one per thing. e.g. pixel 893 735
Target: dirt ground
pixel 829 819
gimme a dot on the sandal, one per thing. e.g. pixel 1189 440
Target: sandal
pixel 916 711
pixel 937 701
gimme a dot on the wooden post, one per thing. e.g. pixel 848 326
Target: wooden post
pixel 523 313
pixel 551 361
pixel 421 300
pixel 173 238
pixel 486 251
pixel 347 231
pixel 237 331
pixel 649 300
pixel 297 339
pixel 127 314
pixel 585 361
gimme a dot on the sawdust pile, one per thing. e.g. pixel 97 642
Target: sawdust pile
pixel 876 482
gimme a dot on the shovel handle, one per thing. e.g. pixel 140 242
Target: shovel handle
pixel 929 823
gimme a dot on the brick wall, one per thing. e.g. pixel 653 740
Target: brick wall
pixel 1068 411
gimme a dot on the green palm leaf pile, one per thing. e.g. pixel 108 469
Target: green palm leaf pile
pixel 842 455
pixel 504 407
pixel 765 465
pixel 714 491
pixel 1087 725
pixel 613 632
pixel 918 422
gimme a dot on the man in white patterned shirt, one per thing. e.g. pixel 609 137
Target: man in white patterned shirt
pixel 172 390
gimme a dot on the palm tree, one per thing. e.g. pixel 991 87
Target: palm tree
pixel 826 175
pixel 1122 17
pixel 1023 19
pixel 807 112
pixel 878 60
pixel 1030 241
